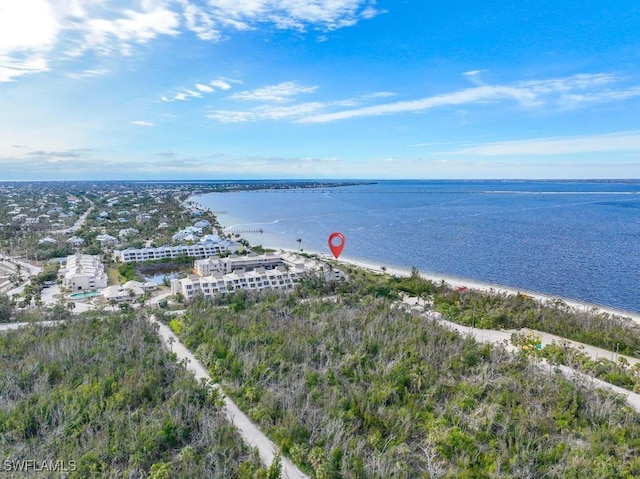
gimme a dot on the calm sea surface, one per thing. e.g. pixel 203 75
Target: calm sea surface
pixel 575 239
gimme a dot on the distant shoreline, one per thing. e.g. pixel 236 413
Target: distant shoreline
pixel 454 281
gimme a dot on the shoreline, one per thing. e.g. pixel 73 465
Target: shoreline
pixel 483 287
pixel 453 281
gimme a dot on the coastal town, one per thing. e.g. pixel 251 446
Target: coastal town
pixel 103 244
pixel 288 348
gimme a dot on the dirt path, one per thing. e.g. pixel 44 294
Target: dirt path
pixel 504 337
pixel 250 433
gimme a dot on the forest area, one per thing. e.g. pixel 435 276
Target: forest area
pixel 101 397
pixel 354 387
pixel 344 380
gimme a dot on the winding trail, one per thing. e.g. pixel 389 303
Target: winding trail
pixel 250 433
pixel 504 337
pixel 267 450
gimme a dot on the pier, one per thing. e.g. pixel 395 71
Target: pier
pixel 248 231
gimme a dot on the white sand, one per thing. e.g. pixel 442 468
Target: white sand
pixel 456 282
pixel 461 282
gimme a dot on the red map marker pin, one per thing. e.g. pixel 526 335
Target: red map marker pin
pixel 336 247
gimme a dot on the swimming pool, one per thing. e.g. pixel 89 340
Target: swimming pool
pixel 85 294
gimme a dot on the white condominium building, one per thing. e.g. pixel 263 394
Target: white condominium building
pixel 252 272
pixel 206 267
pixel 83 272
pixel 288 260
pixel 198 250
pixel 257 279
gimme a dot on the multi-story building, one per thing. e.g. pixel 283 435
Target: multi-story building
pixel 257 279
pixel 198 250
pixel 208 266
pixel 253 272
pixel 83 272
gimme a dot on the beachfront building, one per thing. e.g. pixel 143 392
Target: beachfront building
pixel 203 249
pixel 83 272
pixel 208 266
pixel 258 279
pixel 129 291
pixel 252 272
pixel 287 260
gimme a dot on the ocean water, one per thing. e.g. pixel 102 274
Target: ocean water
pixel 572 239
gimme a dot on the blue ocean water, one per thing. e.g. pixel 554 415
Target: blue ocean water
pixel 573 239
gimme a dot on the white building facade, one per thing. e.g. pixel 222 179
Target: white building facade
pixel 84 272
pixel 253 273
pixel 198 250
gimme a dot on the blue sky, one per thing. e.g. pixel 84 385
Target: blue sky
pixel 227 89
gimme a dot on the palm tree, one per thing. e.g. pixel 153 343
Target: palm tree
pixel 71 306
pixel 299 240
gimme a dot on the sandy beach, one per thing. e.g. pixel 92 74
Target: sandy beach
pixel 471 284
pixel 451 280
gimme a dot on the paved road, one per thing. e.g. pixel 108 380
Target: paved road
pixel 249 432
pixel 27 270
pixel 79 222
pixel 11 326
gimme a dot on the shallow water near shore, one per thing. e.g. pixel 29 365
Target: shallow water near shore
pixel 572 239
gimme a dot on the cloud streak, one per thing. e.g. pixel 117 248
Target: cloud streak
pixel 621 141
pixel 569 92
pixel 558 93
pixel 280 105
pixel 281 92
pixel 198 91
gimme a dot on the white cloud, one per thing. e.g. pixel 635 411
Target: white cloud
pixel 200 22
pixel 275 93
pixel 31 30
pixel 200 89
pixel 267 112
pixel 225 116
pixel 622 141
pixel 89 73
pixel 204 88
pixel 223 85
pixel 566 92
pixel 556 93
pixel 11 68
pixel 143 123
pixel 282 93
pixel 28 31
pixel 468 96
pixel 27 25
pixel 117 35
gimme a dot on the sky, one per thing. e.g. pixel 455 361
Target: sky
pixel 251 89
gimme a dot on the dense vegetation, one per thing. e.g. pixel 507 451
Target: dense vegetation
pixel 104 394
pixel 495 310
pixel 354 387
pixel 500 310
pixel 619 373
